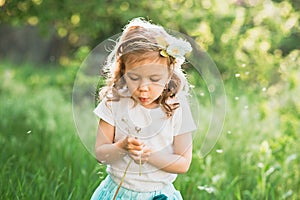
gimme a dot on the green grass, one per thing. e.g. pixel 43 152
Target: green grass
pixel 256 157
pixel 253 159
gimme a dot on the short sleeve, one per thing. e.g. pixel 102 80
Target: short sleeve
pixel 104 112
pixel 184 121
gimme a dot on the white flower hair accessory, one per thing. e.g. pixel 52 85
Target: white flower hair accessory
pixel 174 47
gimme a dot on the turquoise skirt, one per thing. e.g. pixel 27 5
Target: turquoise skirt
pixel 106 191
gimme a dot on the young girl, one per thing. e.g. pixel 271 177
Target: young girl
pixel 144 133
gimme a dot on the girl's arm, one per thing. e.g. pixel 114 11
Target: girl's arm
pixel 108 151
pixel 177 162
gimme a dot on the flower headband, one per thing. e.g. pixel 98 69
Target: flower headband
pixel 173 47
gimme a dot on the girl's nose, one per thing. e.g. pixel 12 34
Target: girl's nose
pixel 144 87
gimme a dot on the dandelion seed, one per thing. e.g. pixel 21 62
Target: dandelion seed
pixel 218 177
pixel 28 132
pixel 260 165
pixel 210 190
pixel 207 189
pixel 236 98
pixel 229 132
pixel 265 147
pixel 264 89
pixel 201 94
pixel 244 65
pixel 137 129
pixel 237 75
pixel 291 158
pixel 201 187
pixel 287 194
pixel 219 150
pixel 247 73
pixel 270 171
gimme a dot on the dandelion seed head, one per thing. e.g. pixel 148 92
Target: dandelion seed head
pixel 219 150
pixel 211 88
pixel 291 158
pixel 270 171
pixel 260 165
pixel 287 194
pixel 137 129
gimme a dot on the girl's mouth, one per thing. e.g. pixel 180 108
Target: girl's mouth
pixel 143 100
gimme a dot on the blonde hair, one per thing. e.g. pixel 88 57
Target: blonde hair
pixel 138 42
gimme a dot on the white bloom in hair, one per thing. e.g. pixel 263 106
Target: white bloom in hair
pixel 177 48
pixel 174 50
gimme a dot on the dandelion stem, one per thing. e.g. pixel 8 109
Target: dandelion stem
pixel 140 168
pixel 122 180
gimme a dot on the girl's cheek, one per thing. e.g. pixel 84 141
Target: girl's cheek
pixel 131 88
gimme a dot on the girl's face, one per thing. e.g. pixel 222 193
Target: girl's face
pixel 146 81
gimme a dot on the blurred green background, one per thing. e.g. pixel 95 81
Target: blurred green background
pixel 255 44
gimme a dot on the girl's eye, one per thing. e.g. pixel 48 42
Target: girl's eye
pixel 155 79
pixel 133 78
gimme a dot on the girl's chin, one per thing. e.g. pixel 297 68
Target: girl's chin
pixel 148 104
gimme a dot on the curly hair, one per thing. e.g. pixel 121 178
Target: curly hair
pixel 137 44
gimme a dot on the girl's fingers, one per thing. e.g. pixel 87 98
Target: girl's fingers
pixel 140 156
pixel 135 153
pixel 131 147
pixel 135 141
pixel 134 144
pixel 146 150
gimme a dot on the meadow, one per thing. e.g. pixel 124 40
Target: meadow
pixel 255 45
pixel 42 157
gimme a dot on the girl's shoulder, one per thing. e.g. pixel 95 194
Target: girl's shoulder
pixel 117 103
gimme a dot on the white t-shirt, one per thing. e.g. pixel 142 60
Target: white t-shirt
pixel 154 128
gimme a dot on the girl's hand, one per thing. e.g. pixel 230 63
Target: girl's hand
pixel 136 149
pixel 141 157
